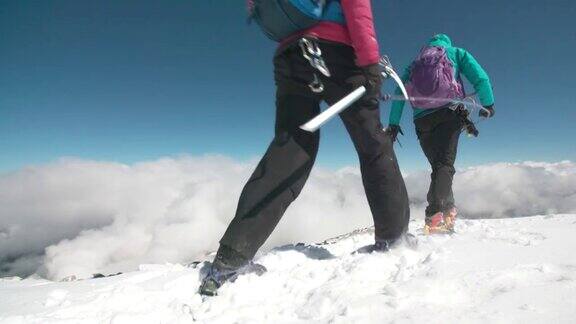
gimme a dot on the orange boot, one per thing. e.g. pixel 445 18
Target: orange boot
pixel 436 224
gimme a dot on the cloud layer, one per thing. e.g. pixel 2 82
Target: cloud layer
pixel 81 217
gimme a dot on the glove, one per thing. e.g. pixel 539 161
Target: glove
pixel 373 82
pixel 371 78
pixel 393 130
pixel 487 112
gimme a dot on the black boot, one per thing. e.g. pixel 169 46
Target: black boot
pixel 385 245
pixel 227 266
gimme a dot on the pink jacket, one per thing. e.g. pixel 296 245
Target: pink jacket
pixel 358 32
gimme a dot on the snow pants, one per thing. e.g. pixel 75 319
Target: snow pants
pixel 438 134
pixel 286 165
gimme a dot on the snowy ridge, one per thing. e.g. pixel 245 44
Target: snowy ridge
pixel 520 270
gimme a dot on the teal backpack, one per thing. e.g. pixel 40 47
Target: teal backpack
pixel 279 19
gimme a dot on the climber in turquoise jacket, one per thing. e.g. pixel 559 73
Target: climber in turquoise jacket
pixel 433 81
pixel 464 64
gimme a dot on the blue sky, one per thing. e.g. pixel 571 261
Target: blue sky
pixel 131 80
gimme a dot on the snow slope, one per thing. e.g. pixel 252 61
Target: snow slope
pixel 520 270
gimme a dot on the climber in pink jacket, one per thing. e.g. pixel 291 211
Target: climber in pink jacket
pixel 349 58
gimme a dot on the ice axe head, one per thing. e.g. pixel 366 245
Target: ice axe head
pixel 385 65
pixel 388 72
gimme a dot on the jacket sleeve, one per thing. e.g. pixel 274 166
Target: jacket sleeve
pixel 398 105
pixel 360 23
pixel 477 76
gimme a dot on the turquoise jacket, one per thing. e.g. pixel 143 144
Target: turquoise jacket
pixel 464 63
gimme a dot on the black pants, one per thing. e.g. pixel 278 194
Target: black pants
pixel 438 134
pixel 282 172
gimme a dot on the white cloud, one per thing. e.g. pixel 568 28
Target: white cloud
pixel 507 189
pixel 105 217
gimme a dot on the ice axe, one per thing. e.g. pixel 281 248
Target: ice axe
pixel 387 72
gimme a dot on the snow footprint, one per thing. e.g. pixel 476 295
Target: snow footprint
pixel 57 298
pixel 522 237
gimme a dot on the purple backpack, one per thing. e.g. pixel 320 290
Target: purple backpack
pixel 432 83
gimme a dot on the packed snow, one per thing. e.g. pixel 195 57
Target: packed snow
pixel 514 270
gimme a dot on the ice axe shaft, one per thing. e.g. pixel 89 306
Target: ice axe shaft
pixel 317 122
